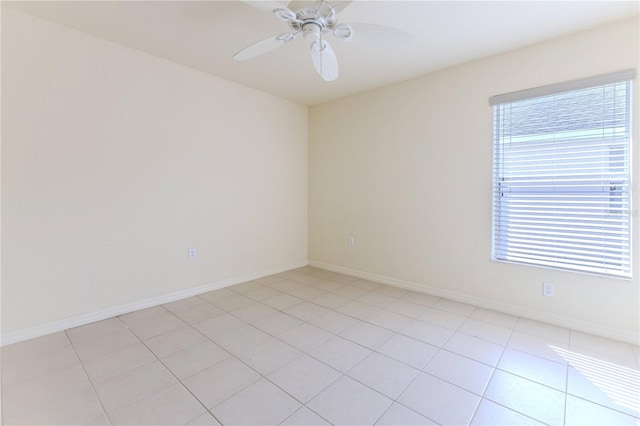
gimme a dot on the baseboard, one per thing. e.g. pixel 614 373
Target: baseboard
pixel 578 325
pixel 64 324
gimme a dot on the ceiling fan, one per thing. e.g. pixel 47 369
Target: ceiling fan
pixel 314 21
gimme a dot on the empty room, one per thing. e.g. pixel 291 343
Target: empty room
pixel 320 213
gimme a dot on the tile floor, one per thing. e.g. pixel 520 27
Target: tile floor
pixel 311 347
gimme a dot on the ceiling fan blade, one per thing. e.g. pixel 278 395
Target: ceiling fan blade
pixel 268 5
pixel 373 33
pixel 311 4
pixel 339 6
pixel 263 46
pixel 296 5
pixel 324 60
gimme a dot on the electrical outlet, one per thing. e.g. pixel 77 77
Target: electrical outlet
pixel 548 289
pixel 351 241
pixel 192 253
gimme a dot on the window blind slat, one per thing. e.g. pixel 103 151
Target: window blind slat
pixel 561 180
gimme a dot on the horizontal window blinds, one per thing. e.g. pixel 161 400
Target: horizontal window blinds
pixel 561 180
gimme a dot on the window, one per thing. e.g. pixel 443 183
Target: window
pixel 561 178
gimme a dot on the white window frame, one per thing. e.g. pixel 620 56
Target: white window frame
pixel 535 183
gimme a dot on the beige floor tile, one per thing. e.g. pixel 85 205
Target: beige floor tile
pixel 333 322
pixel 348 402
pixel 474 348
pixel 366 284
pixel 389 320
pixel 584 413
pixel 186 304
pixel 548 331
pixel 433 398
pixel 538 346
pixel 428 333
pixel 421 298
pixel 406 308
pixel 253 312
pixel 317 376
pixel 621 352
pixel 490 413
pixel 460 371
pixel 173 405
pixel 193 309
pixel 76 408
pixel 330 300
pixel 276 323
pixel 262 293
pixel 205 419
pixel 350 291
pixel 521 365
pixel 154 325
pixel 326 285
pixel 368 335
pixel 240 339
pixel 34 347
pixel 96 330
pixel 304 417
pixel 306 311
pixel 217 383
pixel 442 318
pixel 233 302
pixel 339 353
pixel 305 336
pixel 118 362
pixel 376 299
pixel 245 287
pixel 143 314
pixel 391 291
pixel 400 415
pixel 407 350
pixel 615 387
pixel 133 386
pixel 218 325
pixel 44 389
pixel 454 307
pixel 486 331
pixel 104 343
pixel 534 368
pixel 496 318
pixel 268 406
pixel 18 370
pixel 529 398
pixel 343 279
pixel 306 292
pixel 386 375
pixel 281 284
pixel 357 309
pixel 174 341
pixel 194 359
pixel 221 293
pixel 282 302
pixel 268 355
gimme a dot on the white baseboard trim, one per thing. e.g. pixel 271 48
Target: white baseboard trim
pixel 574 324
pixel 64 324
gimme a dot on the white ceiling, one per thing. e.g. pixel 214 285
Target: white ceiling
pixel 205 34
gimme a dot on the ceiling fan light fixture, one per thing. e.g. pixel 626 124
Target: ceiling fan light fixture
pixel 285 15
pixel 285 37
pixel 311 31
pixel 344 32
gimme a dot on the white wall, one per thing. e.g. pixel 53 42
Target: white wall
pixel 407 170
pixel 114 162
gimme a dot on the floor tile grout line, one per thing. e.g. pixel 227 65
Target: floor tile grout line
pixel 176 377
pixel 440 348
pixel 86 374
